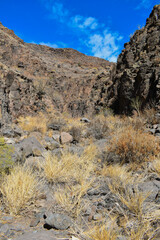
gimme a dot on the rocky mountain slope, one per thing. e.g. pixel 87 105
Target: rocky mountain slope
pixel 138 68
pixel 35 77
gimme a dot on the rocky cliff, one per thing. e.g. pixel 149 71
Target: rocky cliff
pixel 138 68
pixel 35 77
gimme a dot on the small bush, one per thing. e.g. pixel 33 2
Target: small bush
pixel 5 156
pixel 34 123
pixel 18 189
pixel 76 133
pixel 134 146
pixel 71 198
pixel 70 166
pixel 106 231
pixel 98 127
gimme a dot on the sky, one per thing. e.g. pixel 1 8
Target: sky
pixel 94 27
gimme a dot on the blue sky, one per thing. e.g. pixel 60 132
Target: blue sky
pixel 94 27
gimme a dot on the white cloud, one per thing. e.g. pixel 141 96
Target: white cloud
pixel 84 23
pixel 52 45
pixel 144 4
pixel 58 11
pixel 100 42
pixel 104 45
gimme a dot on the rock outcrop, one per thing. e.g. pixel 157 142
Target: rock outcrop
pixel 35 77
pixel 138 68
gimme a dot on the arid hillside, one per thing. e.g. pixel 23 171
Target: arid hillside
pixel 35 77
pixel 68 177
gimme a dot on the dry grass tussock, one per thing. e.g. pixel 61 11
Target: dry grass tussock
pixel 156 166
pixel 18 189
pixel 71 198
pixel 40 121
pixel 106 231
pixel 134 146
pixel 34 123
pixel 123 184
pixel 70 167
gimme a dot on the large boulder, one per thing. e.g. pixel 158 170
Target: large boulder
pixel 28 147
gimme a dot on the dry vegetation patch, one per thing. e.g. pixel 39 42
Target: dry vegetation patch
pixel 134 146
pixel 19 189
pixel 70 167
pixel 34 123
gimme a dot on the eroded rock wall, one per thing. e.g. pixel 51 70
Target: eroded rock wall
pixel 138 68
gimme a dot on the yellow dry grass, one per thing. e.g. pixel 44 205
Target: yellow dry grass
pixel 124 185
pixel 70 166
pixel 106 231
pixel 34 123
pixel 156 166
pixel 133 200
pixel 117 172
pixel 18 189
pixel 70 198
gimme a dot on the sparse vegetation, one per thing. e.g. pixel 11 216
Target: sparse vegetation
pixel 98 127
pixel 134 146
pixel 18 189
pixel 70 167
pixel 34 123
pixel 6 161
pixel 72 176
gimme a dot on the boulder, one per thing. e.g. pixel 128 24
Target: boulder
pixel 65 138
pixel 29 147
pixel 50 143
pixel 58 221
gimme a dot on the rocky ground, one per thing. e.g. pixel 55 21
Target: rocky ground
pixel 81 181
pixel 92 177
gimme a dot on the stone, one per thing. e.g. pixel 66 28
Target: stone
pixel 75 150
pixel 5 228
pixel 58 221
pixel 151 188
pixel 85 120
pixel 97 217
pixel 29 147
pixel 40 235
pixel 65 138
pixel 34 161
pixel 34 222
pixel 54 126
pixel 56 137
pixel 50 143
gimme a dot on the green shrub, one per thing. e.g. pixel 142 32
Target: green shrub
pixel 5 156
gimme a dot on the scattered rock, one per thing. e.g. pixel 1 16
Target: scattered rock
pixel 50 143
pixel 65 138
pixel 40 235
pixel 58 221
pixel 29 147
pixel 85 120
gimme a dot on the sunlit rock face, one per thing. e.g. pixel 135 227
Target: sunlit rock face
pixel 35 77
pixel 138 68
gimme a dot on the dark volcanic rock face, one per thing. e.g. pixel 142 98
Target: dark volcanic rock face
pixel 138 68
pixel 34 77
